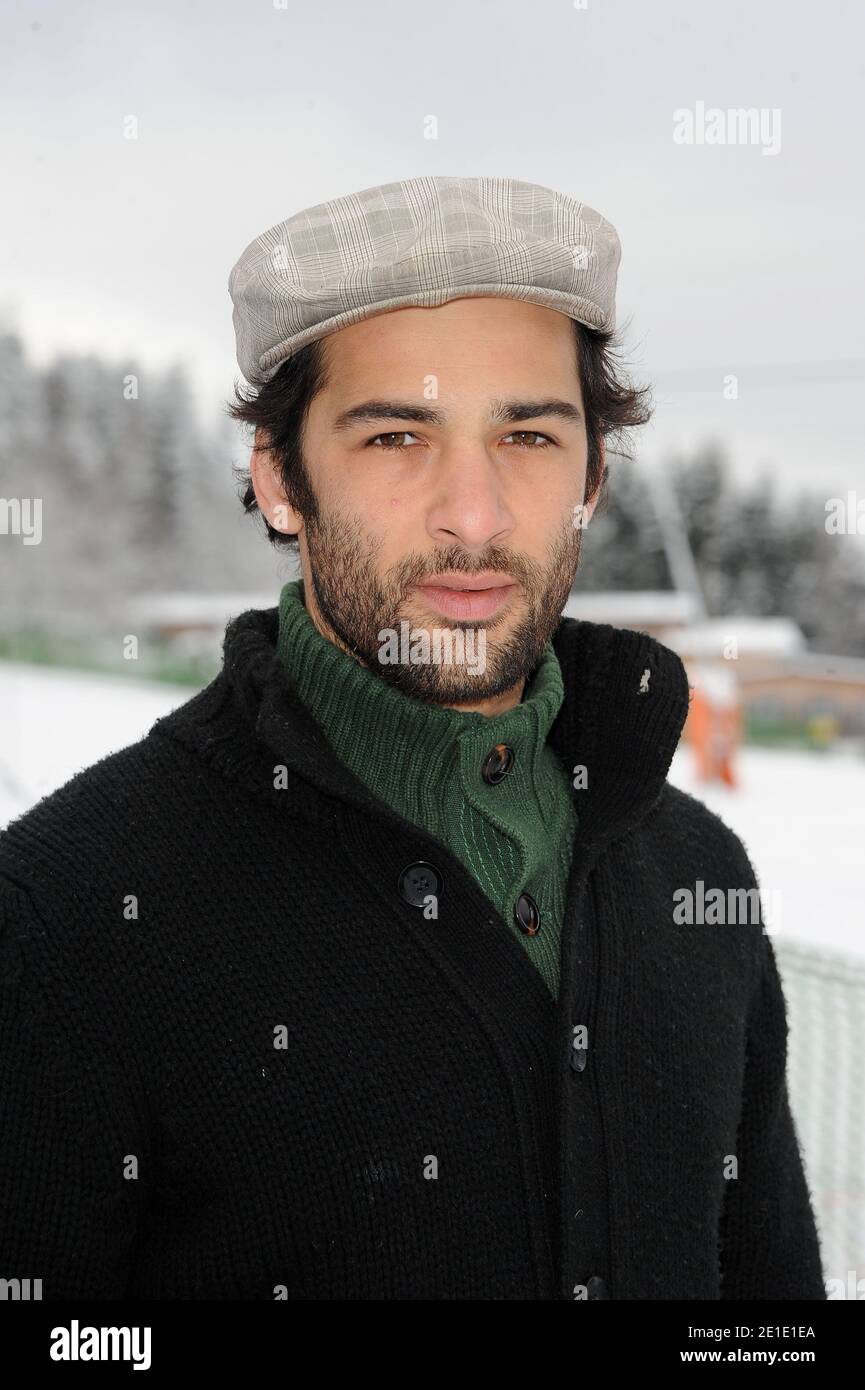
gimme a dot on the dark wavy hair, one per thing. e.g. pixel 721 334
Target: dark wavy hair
pixel 612 406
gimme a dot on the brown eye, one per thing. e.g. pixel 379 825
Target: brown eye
pixel 391 435
pixel 529 434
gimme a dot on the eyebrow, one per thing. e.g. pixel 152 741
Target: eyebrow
pixel 502 412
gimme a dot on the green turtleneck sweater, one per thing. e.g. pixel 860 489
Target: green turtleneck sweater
pixel 425 761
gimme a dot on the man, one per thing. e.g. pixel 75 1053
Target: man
pixel 361 975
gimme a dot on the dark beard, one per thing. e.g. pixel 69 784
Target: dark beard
pixel 356 606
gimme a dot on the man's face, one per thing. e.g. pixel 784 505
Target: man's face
pixel 448 456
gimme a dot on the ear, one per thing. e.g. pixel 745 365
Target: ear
pixel 267 485
pixel 591 502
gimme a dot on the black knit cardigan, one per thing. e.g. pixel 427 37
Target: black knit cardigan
pixel 238 1061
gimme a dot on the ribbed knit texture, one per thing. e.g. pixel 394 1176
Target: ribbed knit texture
pixel 236 1061
pixel 425 761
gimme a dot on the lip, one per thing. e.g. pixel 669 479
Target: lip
pixel 479 597
pixel 487 579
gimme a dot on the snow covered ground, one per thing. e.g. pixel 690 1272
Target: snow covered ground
pixel 54 722
pixel 801 815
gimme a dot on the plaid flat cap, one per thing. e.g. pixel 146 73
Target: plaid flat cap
pixel 420 242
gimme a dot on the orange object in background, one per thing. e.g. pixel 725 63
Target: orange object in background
pixel 714 724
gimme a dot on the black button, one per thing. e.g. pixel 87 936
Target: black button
pixel 418 881
pixel 578 1056
pixel 526 914
pixel 596 1288
pixel 498 763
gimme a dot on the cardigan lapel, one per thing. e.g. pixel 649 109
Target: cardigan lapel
pixel 626 700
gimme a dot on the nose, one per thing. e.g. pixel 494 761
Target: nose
pixel 468 502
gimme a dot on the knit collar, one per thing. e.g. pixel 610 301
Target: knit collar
pixel 624 707
pixel 407 748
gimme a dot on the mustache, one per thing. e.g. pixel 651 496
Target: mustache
pixel 412 571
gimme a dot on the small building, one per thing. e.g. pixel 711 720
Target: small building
pixel 654 611
pixel 806 689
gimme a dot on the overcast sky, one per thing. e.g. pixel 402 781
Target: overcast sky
pixel 734 260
